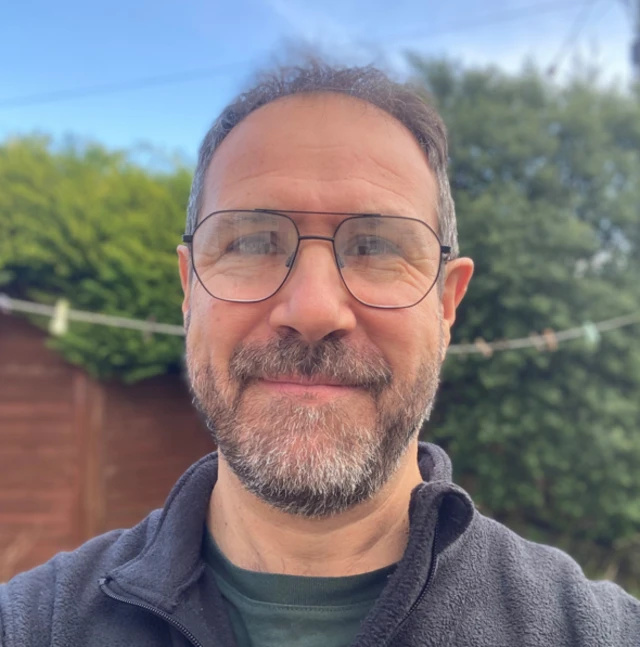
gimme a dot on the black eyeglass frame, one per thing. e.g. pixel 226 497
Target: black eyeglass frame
pixel 445 250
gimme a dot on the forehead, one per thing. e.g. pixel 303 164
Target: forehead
pixel 321 152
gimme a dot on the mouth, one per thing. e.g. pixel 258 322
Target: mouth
pixel 317 380
pixel 318 387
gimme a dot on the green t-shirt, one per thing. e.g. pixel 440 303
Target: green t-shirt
pixel 272 610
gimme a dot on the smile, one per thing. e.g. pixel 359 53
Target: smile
pixel 318 387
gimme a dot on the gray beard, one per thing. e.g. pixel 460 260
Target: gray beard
pixel 312 459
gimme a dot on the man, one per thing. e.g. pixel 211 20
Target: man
pixel 321 278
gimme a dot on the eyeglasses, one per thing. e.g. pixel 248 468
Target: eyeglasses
pixel 384 261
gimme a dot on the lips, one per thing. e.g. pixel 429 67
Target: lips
pixel 318 388
pixel 306 381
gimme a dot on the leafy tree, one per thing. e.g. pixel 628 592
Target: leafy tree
pixel 547 186
pixel 90 225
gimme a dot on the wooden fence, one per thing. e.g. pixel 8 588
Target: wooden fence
pixel 78 457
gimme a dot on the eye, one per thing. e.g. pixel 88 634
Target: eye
pixel 369 245
pixel 258 243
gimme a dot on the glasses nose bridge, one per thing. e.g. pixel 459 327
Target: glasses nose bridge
pixel 328 239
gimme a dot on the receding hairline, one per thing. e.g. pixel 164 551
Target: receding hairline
pixel 407 103
pixel 310 98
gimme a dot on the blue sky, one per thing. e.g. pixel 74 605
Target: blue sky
pixel 68 45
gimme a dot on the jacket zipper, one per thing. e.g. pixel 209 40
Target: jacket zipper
pixel 103 581
pixel 432 569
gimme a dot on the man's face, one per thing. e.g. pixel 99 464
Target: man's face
pixel 314 398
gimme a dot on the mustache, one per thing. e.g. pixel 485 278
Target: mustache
pixel 328 358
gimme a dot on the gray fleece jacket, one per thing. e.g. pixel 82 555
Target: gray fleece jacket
pixel 464 581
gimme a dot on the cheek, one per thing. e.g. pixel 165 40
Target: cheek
pixel 217 327
pixel 408 338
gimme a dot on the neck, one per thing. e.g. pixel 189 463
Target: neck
pixel 257 537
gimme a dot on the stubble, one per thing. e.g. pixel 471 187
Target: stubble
pixel 308 458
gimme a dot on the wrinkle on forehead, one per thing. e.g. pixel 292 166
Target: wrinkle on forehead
pixel 350 195
pixel 336 154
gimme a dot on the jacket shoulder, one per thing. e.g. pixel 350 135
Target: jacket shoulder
pixel 68 580
pixel 543 587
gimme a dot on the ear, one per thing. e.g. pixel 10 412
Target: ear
pixel 457 277
pixel 184 264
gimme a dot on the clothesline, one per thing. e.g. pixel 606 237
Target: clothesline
pixel 549 339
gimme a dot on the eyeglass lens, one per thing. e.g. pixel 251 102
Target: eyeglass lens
pixel 384 261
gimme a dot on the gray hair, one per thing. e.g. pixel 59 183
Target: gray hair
pixel 404 102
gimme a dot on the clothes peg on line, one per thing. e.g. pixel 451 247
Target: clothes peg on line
pixel 59 323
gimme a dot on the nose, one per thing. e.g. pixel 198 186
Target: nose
pixel 314 301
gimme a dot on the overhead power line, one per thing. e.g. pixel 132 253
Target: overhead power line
pixel 527 11
pixel 488 20
pixel 122 86
pixel 578 25
pixel 548 339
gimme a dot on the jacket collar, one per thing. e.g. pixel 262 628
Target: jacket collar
pixel 171 563
pixel 171 559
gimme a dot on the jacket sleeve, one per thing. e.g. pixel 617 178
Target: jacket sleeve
pixel 26 608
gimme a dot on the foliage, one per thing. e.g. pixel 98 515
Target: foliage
pixel 547 187
pixel 89 225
